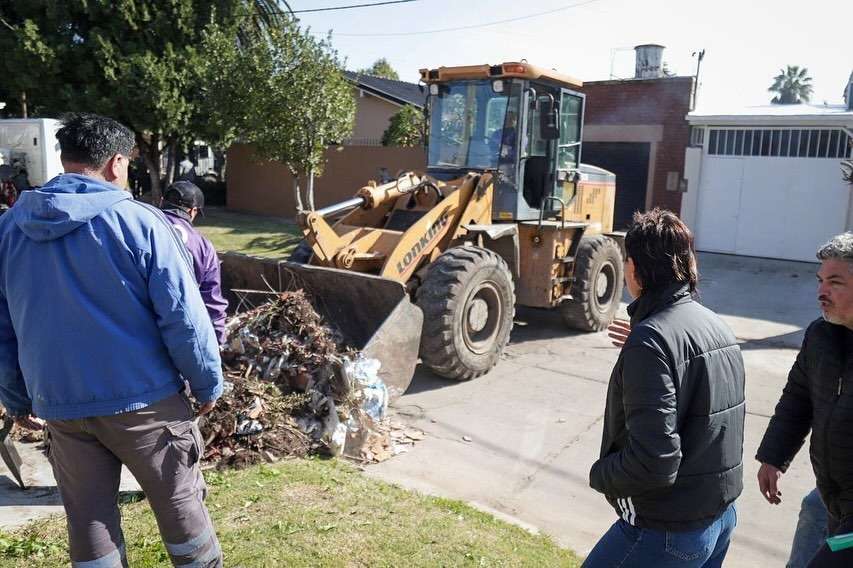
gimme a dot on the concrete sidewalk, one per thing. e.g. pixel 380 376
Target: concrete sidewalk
pixel 41 498
pixel 535 421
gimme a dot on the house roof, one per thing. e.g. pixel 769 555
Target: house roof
pixel 399 92
pixel 799 114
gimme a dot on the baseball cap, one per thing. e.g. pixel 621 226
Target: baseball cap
pixel 184 194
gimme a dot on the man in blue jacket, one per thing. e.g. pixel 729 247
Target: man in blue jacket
pixel 101 329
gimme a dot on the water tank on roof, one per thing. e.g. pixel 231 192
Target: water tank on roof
pixel 649 64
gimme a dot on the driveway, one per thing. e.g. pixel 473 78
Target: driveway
pixel 534 423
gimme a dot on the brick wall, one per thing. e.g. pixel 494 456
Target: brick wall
pixel 267 187
pixel 663 102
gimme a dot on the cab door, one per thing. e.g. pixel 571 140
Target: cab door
pixel 569 144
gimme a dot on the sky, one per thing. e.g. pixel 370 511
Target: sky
pixel 746 42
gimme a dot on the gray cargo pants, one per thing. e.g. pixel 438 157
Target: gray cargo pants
pixel 161 446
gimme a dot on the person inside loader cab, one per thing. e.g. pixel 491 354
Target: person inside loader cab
pixel 671 462
pixel 182 203
pixel 502 140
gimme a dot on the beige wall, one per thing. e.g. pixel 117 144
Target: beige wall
pixel 372 116
pixel 267 187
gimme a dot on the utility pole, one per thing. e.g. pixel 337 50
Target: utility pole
pixel 699 55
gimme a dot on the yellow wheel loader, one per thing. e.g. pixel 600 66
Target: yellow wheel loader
pixel 433 264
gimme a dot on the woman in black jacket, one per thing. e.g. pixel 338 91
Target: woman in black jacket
pixel 672 448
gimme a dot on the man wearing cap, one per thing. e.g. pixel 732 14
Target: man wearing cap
pixel 182 202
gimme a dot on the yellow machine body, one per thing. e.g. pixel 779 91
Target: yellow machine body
pixel 385 240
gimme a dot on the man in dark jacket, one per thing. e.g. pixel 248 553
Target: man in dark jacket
pixel 671 453
pixel 182 203
pixel 818 397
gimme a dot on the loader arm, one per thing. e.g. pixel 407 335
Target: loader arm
pixel 357 243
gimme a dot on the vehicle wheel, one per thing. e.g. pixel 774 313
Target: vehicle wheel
pixel 597 287
pixel 468 300
pixel 302 253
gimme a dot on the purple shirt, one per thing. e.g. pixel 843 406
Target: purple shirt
pixel 206 268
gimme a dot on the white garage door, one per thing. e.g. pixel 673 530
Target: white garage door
pixel 771 206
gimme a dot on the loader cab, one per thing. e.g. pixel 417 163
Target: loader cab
pixel 511 120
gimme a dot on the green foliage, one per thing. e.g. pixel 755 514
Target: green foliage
pixel 792 86
pixel 406 128
pixel 285 93
pixel 326 513
pixel 27 545
pixel 137 61
pixel 381 68
pixel 255 235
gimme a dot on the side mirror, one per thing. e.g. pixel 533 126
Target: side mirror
pixel 549 127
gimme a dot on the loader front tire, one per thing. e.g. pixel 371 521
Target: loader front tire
pixel 302 253
pixel 597 286
pixel 468 300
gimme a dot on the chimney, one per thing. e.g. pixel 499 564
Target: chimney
pixel 649 63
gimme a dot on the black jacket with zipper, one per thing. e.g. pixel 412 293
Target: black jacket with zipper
pixel 672 449
pixel 818 397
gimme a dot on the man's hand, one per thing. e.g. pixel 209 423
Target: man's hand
pixel 206 407
pixel 618 332
pixel 29 422
pixel 768 483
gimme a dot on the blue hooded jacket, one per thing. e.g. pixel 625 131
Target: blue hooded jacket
pixel 99 309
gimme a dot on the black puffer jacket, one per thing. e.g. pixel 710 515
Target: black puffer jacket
pixel 818 396
pixel 672 450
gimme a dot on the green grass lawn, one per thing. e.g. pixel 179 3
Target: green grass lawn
pixel 316 513
pixel 250 234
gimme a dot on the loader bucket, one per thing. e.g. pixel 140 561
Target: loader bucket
pixel 373 314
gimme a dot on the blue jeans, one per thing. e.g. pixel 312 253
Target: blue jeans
pixel 627 546
pixel 811 531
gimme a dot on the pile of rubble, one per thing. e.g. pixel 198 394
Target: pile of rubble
pixel 293 389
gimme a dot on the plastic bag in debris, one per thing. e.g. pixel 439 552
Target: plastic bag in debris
pixel 338 439
pixel 334 431
pixel 364 373
pixel 248 427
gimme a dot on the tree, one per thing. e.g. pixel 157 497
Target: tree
pixel 792 86
pixel 381 68
pixel 406 128
pixel 138 61
pixel 285 93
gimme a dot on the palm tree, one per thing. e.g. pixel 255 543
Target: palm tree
pixel 263 15
pixel 268 13
pixel 792 85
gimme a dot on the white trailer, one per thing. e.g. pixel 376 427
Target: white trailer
pixel 30 143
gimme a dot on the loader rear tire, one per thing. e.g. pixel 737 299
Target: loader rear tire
pixel 597 287
pixel 468 300
pixel 302 253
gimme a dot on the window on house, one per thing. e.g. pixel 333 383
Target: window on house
pixel 730 142
pixel 794 147
pixel 765 142
pixel 697 136
pixel 785 143
pixel 747 142
pixel 774 142
pixel 777 142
